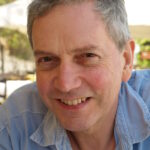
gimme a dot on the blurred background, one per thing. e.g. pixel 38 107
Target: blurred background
pixel 16 59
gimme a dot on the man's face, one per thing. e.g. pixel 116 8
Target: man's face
pixel 79 68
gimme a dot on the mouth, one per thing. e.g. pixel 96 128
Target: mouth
pixel 74 102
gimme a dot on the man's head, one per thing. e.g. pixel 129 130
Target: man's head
pixel 79 66
pixel 111 11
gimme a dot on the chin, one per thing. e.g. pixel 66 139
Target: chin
pixel 76 126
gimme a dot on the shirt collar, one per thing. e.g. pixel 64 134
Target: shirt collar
pixel 132 122
pixel 132 118
pixel 50 133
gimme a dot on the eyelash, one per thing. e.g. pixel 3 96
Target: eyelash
pixel 90 55
pixel 46 62
pixel 88 59
pixel 44 59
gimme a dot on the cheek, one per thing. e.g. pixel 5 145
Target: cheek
pixel 98 79
pixel 42 83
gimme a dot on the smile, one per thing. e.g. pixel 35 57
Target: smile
pixel 73 102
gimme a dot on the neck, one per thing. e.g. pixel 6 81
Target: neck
pixel 102 138
pixel 99 136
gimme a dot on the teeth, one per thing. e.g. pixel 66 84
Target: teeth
pixel 83 99
pixel 79 101
pixel 73 102
pixel 69 103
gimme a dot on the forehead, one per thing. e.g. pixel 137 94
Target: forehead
pixel 69 15
pixel 69 25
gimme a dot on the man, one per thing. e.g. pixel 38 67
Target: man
pixel 83 98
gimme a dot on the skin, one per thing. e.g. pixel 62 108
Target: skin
pixel 76 58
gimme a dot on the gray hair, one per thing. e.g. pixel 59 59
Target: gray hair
pixel 112 12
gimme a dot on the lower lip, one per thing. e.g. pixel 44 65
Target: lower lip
pixel 73 107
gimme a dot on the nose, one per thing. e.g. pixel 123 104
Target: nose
pixel 67 78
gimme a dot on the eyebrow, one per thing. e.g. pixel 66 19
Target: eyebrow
pixel 85 48
pixel 75 50
pixel 41 52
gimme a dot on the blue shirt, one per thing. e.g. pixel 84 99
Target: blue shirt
pixel 26 124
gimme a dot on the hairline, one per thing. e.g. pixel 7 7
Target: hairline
pixel 63 2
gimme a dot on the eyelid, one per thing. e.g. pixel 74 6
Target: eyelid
pixel 85 60
pixel 53 60
pixel 42 58
pixel 88 53
pixel 47 65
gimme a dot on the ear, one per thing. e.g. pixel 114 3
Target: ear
pixel 128 55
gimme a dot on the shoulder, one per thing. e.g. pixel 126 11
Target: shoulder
pixel 140 82
pixel 23 101
pixel 140 75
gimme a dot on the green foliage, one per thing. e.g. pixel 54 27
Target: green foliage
pixel 17 43
pixel 2 2
pixel 144 47
pixel 142 63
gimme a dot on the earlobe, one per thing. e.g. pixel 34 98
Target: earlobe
pixel 128 55
pixel 126 73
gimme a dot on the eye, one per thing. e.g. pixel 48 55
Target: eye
pixel 89 55
pixel 88 59
pixel 44 59
pixel 46 62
